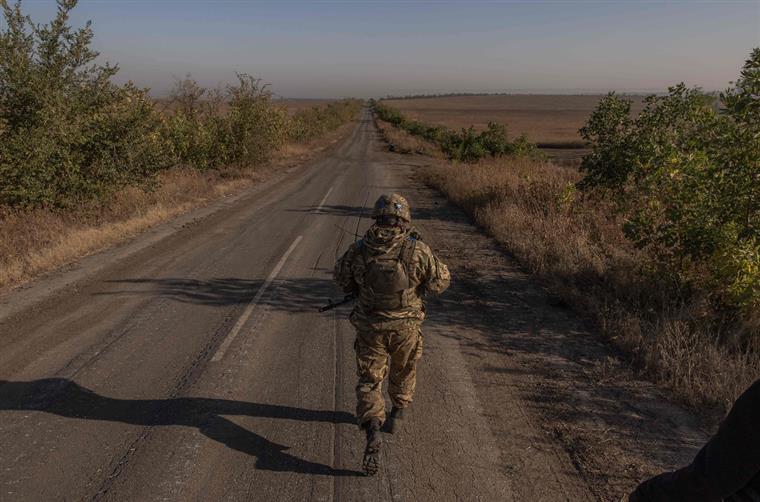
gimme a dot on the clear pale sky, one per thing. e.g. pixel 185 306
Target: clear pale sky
pixel 335 49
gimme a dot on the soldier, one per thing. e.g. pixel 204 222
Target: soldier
pixel 726 468
pixel 389 271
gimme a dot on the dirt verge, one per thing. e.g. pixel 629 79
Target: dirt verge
pixel 535 361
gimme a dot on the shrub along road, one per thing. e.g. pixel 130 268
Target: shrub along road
pixel 197 367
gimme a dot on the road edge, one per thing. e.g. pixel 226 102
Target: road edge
pixel 37 290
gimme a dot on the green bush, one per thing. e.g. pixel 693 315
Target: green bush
pixel 242 125
pixel 253 128
pixel 686 173
pixel 67 132
pixel 466 146
pixel 317 121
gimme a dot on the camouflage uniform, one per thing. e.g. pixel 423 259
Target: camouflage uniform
pixel 389 270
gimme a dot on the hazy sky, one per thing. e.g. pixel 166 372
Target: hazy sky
pixel 333 49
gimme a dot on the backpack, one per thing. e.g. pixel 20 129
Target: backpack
pixel 387 283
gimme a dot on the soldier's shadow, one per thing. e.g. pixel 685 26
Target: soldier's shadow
pixel 66 398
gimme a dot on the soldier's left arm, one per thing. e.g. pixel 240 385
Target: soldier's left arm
pixel 434 274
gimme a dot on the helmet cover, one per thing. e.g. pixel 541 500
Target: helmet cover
pixel 392 205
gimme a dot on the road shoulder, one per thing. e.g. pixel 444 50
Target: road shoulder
pixel 543 376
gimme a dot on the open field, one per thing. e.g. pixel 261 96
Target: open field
pixel 295 105
pixel 550 120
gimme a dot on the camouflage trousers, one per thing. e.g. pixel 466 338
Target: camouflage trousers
pixel 377 352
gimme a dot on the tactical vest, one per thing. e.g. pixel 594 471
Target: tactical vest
pixel 387 282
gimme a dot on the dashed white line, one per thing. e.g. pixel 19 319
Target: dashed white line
pixel 249 308
pixel 324 199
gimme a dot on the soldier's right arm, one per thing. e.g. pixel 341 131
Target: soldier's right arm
pixel 344 273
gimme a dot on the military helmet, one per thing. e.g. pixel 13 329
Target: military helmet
pixel 392 205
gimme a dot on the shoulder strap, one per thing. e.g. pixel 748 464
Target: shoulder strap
pixel 407 252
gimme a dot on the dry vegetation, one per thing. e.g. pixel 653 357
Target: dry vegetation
pixel 402 142
pixel 576 244
pixel 577 247
pixel 291 105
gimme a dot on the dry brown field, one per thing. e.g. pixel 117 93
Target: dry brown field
pixel 550 120
pixel 295 105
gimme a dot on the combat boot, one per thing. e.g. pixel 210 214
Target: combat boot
pixel 371 462
pixel 391 424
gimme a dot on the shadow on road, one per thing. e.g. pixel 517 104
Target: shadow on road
pixel 362 212
pixel 289 295
pixel 66 398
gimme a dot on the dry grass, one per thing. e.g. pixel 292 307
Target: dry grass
pixel 39 241
pixel 576 246
pixel 401 142
pixel 550 120
pixel 579 251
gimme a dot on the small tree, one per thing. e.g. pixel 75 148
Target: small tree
pixel 688 178
pixel 608 130
pixel 186 95
pixel 66 131
pixel 254 128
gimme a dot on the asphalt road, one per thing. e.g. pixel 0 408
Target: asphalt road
pixel 191 364
pixel 198 367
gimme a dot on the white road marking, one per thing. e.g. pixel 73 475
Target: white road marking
pixel 319 207
pixel 249 309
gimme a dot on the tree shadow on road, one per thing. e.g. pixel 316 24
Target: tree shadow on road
pixel 65 398
pixel 361 212
pixel 289 295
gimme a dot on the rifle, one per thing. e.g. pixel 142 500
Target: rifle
pixel 331 305
pixel 351 296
